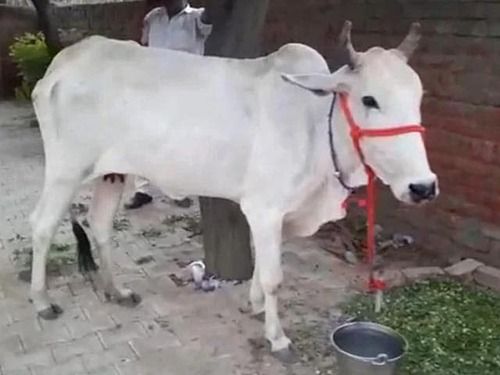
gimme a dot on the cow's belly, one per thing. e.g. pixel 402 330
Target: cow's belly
pixel 200 149
pixel 197 163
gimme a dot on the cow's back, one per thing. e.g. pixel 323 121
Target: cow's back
pixel 99 69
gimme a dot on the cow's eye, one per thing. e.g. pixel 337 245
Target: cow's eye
pixel 370 102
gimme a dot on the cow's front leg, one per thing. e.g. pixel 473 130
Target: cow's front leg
pixel 105 201
pixel 266 231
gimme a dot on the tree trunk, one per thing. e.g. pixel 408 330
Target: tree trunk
pixel 49 30
pixel 226 239
pixel 226 236
pixel 237 27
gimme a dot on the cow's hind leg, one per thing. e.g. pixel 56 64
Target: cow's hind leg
pixel 54 202
pixel 257 295
pixel 105 202
pixel 266 226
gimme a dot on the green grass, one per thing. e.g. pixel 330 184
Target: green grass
pixel 189 223
pixel 451 329
pixel 121 224
pixel 60 255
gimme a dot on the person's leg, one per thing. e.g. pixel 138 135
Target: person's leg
pixel 141 196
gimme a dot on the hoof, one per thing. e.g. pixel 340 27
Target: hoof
pixel 50 313
pixel 132 300
pixel 286 356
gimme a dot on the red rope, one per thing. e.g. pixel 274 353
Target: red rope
pixel 374 283
pixel 370 217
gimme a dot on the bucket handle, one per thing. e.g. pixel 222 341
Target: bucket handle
pixel 381 360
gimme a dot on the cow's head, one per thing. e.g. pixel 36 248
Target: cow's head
pixel 383 92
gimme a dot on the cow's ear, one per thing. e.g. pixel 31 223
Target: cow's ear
pixel 320 84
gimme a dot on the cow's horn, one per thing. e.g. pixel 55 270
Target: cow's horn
pixel 345 41
pixel 410 43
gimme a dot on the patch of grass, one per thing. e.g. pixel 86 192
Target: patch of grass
pixel 60 255
pixel 151 233
pixel 189 223
pixel 60 248
pixel 173 219
pixel 193 225
pixel 32 57
pixel 121 224
pixel 451 329
pixel 23 257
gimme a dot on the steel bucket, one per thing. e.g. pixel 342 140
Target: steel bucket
pixel 364 348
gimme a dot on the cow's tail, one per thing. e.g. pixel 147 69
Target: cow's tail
pixel 86 261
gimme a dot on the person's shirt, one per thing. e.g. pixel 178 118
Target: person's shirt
pixel 184 32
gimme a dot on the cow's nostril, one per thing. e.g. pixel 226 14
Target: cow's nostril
pixel 420 192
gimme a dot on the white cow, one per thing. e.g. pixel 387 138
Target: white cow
pixel 253 131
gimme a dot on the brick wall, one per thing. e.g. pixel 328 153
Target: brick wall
pixel 115 19
pixel 458 64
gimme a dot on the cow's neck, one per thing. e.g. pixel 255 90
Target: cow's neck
pixel 349 163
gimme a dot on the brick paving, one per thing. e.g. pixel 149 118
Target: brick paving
pixel 175 330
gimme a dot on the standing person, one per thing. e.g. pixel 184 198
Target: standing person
pixel 175 25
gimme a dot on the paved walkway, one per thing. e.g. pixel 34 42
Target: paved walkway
pixel 176 330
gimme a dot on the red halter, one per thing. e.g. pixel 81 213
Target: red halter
pixel 357 134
